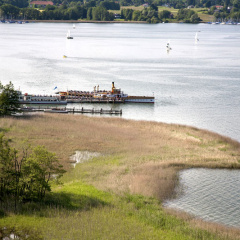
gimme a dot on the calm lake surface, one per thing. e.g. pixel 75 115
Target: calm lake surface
pixel 195 84
pixel 210 194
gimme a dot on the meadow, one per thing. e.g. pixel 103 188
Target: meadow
pixel 202 12
pixel 117 194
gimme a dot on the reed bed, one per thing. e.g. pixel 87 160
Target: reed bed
pixel 137 157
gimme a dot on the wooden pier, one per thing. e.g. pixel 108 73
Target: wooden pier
pixel 72 110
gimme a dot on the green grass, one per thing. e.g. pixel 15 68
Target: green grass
pixel 87 213
pixel 76 210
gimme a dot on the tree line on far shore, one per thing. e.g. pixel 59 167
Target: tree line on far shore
pixel 92 11
pixel 151 15
pixel 99 10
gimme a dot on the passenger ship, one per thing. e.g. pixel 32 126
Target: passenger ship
pixel 113 94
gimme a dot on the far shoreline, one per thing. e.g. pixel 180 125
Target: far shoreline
pixel 91 21
pixel 82 21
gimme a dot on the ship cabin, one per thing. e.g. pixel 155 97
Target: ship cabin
pixel 36 98
pixel 73 94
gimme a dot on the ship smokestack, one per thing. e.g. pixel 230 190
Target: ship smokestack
pixel 113 87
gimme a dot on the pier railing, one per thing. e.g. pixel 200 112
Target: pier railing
pixel 71 110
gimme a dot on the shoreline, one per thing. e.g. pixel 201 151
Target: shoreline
pixel 82 21
pixel 91 21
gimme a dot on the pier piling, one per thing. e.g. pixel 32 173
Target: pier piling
pixel 71 110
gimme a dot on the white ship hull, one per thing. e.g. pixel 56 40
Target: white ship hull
pixel 136 99
pixel 44 102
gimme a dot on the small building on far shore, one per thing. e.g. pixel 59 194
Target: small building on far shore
pixel 219 7
pixel 117 16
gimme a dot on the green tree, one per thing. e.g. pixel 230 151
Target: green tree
pixel 73 13
pixel 91 3
pixel 236 3
pixel 136 16
pixel 30 13
pixel 109 5
pixel 188 16
pixel 154 20
pixel 101 14
pixel 153 7
pixel 208 4
pixel 194 18
pixel 7 157
pixel 164 14
pixel 89 13
pixel 40 168
pixel 9 11
pixel 9 102
pixel 127 13
pixel 26 177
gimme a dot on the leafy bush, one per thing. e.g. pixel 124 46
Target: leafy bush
pixel 26 177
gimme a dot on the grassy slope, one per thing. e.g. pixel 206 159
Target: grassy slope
pixel 87 213
pixel 205 17
pixel 137 158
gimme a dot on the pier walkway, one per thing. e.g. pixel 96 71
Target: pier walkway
pixel 71 110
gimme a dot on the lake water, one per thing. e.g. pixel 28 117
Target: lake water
pixel 195 84
pixel 210 194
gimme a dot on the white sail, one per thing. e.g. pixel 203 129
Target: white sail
pixel 69 35
pixel 196 37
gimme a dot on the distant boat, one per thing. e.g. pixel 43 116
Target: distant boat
pixel 168 46
pixel 196 37
pixel 69 35
pixel 64 56
pixel 74 26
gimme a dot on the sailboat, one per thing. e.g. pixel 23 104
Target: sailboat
pixel 69 35
pixel 196 38
pixel 168 46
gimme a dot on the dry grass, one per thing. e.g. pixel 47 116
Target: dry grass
pixel 137 156
pixel 138 8
pixel 218 229
pixel 144 149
